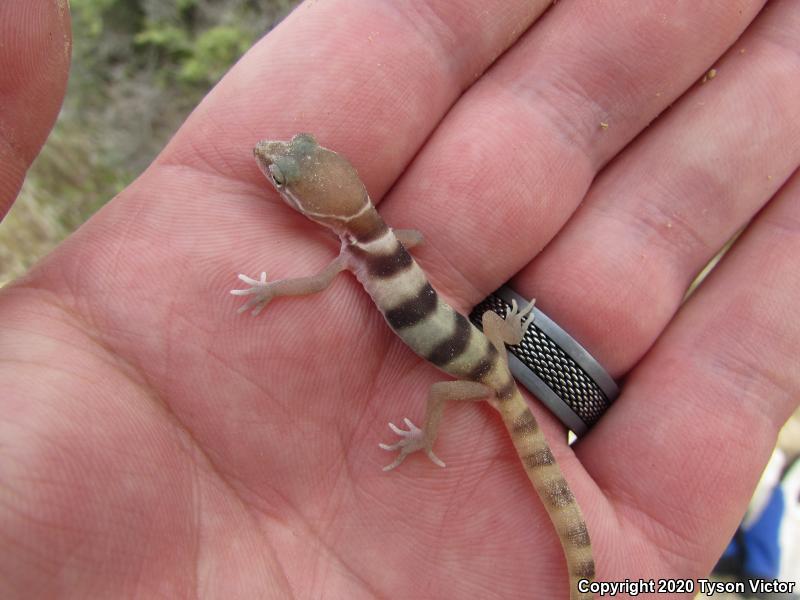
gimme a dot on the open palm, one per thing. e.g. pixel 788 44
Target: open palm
pixel 157 444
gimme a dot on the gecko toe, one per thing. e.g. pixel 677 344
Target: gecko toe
pixel 395 464
pixel 435 459
pixel 260 289
pixel 411 440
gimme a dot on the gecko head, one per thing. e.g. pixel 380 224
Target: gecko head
pixel 313 180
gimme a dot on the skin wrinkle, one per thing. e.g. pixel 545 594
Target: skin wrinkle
pixel 340 559
pixel 787 225
pixel 143 385
pixel 196 535
pixel 454 507
pixel 355 153
pixel 660 535
pixel 66 529
pixel 741 367
pixel 443 268
pixel 753 417
pixel 695 261
pixel 705 178
pixel 329 509
pixel 588 153
pixel 432 24
pixel 559 99
pixel 429 26
pixel 203 151
pixel 781 30
pixel 769 421
pixel 622 498
pixel 735 356
pixel 661 223
pixel 555 82
pixel 372 395
pixel 252 511
pixel 646 522
pixel 207 166
pixel 74 320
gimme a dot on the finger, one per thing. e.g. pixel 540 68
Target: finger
pixel 369 79
pixel 703 407
pixel 34 64
pixel 515 157
pixel 661 211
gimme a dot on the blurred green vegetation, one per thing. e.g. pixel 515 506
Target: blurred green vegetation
pixel 138 69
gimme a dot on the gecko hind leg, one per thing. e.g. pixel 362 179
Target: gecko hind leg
pixel 415 439
pixel 509 330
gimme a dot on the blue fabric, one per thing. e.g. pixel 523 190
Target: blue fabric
pixel 733 550
pixel 762 553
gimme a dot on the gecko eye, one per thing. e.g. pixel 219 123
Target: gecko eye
pixel 277 176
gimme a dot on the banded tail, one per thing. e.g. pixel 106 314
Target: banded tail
pixel 553 490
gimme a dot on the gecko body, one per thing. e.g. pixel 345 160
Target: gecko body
pixel 323 186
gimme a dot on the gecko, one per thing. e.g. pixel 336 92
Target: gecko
pixel 323 186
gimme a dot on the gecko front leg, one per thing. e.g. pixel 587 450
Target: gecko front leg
pixel 264 291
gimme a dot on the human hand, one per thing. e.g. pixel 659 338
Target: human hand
pixel 155 442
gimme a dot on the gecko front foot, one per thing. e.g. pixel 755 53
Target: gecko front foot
pixel 410 441
pixel 261 290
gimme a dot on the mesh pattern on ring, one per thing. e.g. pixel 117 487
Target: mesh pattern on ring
pixel 553 366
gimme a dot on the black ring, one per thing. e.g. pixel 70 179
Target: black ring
pixel 554 367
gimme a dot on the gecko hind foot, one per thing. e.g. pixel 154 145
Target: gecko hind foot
pixel 518 320
pixel 261 290
pixel 411 440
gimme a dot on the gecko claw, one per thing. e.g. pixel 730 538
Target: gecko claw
pixel 410 441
